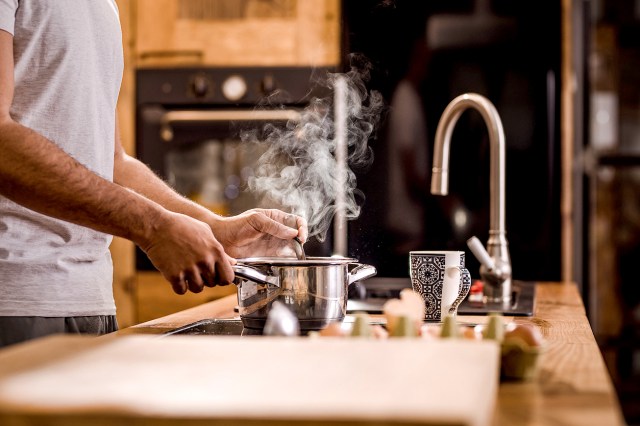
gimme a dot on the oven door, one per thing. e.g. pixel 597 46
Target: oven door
pixel 200 153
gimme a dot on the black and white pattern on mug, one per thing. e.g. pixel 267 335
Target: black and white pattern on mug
pixel 427 281
pixel 432 306
pixel 466 280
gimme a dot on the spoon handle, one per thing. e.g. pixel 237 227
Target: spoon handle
pixel 297 247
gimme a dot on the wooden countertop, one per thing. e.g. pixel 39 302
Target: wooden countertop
pixel 573 386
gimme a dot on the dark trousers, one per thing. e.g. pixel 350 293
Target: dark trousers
pixel 20 329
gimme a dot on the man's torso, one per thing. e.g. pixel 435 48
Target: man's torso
pixel 68 69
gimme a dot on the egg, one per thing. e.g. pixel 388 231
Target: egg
pixel 410 305
pixel 471 333
pixel 526 333
pixel 334 329
pixel 379 332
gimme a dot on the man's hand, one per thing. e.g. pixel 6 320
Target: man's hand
pixel 260 232
pixel 187 254
pixel 183 250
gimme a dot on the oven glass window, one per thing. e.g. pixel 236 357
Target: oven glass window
pixel 215 173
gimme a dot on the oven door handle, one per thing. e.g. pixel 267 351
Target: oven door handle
pixel 187 116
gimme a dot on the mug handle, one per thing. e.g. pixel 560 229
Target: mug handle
pixel 463 289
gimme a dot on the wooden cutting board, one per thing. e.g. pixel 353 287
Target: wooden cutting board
pixel 248 380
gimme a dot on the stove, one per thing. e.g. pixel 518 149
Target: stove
pixel 234 327
pixel 218 327
pixel 372 294
pixel 190 122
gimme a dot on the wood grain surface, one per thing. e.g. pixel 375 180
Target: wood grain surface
pixel 572 386
pixel 237 379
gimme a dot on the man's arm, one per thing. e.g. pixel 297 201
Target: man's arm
pixel 37 174
pixel 129 172
pixel 257 232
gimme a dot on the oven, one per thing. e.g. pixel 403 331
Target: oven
pixel 189 123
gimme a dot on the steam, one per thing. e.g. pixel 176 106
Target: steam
pixel 298 172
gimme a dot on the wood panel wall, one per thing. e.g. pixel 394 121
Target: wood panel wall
pixel 122 251
pixel 238 32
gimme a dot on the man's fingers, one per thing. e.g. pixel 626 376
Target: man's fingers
pixel 218 273
pixel 224 271
pixel 179 285
pixel 302 226
pixel 289 220
pixel 187 281
pixel 299 223
pixel 194 281
pixel 208 274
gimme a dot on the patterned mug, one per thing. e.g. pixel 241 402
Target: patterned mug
pixel 441 279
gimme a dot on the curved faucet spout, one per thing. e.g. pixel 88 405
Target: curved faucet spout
pixel 497 244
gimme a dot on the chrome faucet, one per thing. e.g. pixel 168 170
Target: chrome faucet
pixel 495 270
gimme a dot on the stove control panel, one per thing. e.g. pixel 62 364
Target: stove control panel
pixel 234 88
pixel 230 85
pixel 268 84
pixel 200 86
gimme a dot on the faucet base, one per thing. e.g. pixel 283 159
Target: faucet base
pixel 497 292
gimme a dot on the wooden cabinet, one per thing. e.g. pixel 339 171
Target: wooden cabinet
pixel 154 298
pixel 237 32
pixel 122 251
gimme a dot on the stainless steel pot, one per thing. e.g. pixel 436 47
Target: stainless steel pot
pixel 315 289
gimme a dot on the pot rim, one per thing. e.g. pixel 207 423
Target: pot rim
pixel 293 261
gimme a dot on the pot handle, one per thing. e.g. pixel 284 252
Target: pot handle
pixel 361 272
pixel 254 275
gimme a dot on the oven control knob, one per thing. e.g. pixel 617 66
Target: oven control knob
pixel 268 84
pixel 234 88
pixel 200 85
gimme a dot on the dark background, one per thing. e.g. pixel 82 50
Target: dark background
pixel 514 73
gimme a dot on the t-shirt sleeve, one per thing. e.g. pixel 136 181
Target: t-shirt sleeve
pixel 8 10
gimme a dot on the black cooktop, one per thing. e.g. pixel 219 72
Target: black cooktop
pixel 234 327
pixel 217 327
pixel 378 290
pixel 373 294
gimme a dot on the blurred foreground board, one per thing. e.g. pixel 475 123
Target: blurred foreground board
pixel 194 380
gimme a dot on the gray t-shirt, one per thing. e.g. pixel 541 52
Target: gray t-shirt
pixel 68 70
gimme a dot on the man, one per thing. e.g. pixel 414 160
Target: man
pixel 66 184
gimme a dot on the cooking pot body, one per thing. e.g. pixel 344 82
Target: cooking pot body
pixel 316 294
